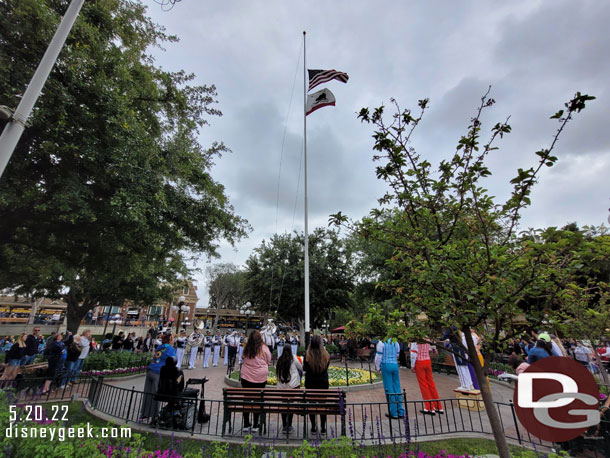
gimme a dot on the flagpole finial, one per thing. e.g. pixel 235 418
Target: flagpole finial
pixel 304 32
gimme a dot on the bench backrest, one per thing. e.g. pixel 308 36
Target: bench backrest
pixel 331 401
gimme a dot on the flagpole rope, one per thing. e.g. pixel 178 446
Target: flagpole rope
pixel 279 176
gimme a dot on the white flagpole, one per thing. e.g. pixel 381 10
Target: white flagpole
pixel 307 329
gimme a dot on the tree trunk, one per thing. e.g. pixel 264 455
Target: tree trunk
pixel 216 320
pixel 76 312
pixel 490 408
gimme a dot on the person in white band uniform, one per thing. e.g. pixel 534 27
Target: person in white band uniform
pixel 207 349
pixel 194 340
pixel 180 348
pixel 225 345
pixel 280 346
pixel 240 349
pixel 217 342
pixel 294 343
pixel 232 343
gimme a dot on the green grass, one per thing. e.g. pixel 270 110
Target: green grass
pixel 461 446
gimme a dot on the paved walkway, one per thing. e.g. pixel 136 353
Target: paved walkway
pixel 367 408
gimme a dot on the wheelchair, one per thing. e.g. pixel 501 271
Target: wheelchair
pixel 181 412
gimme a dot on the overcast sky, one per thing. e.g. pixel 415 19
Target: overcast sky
pixel 534 54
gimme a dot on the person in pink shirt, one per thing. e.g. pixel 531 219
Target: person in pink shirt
pixel 254 372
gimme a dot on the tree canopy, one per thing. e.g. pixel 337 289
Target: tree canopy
pixel 109 189
pixel 456 254
pixel 275 276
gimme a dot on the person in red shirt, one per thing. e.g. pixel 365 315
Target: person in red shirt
pixel 422 366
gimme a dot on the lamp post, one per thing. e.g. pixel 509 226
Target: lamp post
pixel 181 307
pixel 246 310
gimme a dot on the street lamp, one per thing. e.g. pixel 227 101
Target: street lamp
pixel 246 310
pixel 181 307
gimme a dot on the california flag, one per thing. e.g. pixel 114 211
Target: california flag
pixel 323 98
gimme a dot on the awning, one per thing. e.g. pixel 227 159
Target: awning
pixel 339 329
pixel 132 312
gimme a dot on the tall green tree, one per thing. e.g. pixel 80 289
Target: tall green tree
pixel 456 255
pixel 109 189
pixel 226 287
pixel 276 283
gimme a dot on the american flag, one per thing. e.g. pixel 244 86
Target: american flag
pixel 317 77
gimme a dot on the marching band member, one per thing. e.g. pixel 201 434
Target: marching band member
pixel 207 349
pixel 225 347
pixel 180 348
pixel 232 347
pixel 242 344
pixel 280 346
pixel 294 343
pixel 217 341
pixel 194 341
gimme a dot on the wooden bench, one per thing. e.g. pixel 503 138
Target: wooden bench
pixel 283 401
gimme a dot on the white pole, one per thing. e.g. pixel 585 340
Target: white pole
pixel 307 329
pixel 13 130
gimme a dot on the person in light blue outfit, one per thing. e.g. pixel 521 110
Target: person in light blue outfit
pixel 386 361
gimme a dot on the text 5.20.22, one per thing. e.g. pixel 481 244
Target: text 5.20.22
pixel 38 413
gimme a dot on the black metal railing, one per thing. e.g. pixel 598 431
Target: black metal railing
pixel 366 421
pixel 30 389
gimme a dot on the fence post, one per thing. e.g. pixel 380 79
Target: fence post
pixel 370 375
pixel 133 389
pixel 512 409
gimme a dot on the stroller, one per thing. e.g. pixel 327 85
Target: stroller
pixel 180 412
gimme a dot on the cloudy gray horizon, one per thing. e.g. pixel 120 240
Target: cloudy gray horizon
pixel 534 54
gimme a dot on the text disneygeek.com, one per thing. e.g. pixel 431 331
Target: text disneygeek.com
pixel 62 433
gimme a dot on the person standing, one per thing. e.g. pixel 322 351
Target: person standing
pixel 194 341
pixel 207 349
pixel 289 371
pixel 240 348
pixel 422 366
pixel 280 346
pixel 117 341
pixel 128 343
pixel 386 362
pixel 73 352
pixel 32 342
pixel 53 352
pixel 232 343
pixel 180 348
pixel 150 407
pixel 225 348
pixel 15 357
pixel 460 359
pixel 217 342
pixel 315 367
pixel 294 343
pixel 86 343
pixel 254 372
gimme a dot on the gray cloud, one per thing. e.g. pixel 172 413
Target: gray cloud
pixel 535 54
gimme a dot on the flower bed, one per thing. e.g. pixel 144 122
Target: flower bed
pixel 120 372
pixel 336 376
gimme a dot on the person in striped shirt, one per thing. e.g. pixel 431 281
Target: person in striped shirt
pixel 386 362
pixel 422 366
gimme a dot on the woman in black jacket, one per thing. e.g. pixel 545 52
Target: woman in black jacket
pixel 53 353
pixel 74 351
pixel 315 367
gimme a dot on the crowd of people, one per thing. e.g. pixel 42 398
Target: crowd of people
pixel 254 354
pixel 65 354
